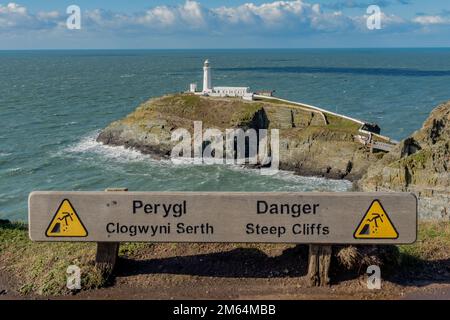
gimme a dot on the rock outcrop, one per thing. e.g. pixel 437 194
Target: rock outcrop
pixel 311 143
pixel 419 164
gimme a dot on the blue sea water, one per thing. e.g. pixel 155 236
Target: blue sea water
pixel 53 104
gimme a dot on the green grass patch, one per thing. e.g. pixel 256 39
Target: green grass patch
pixel 433 243
pixel 416 160
pixel 40 267
pixel 419 158
pixel 181 109
pixel 339 123
pixel 334 122
pixel 132 248
pixel 244 115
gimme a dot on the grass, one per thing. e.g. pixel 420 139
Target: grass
pixel 433 243
pixel 244 116
pixel 179 110
pixel 419 158
pixel 40 268
pixel 334 122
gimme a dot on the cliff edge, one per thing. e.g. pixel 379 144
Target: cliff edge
pixel 419 164
pixel 311 143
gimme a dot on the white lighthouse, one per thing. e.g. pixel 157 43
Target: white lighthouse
pixel 207 87
pixel 209 90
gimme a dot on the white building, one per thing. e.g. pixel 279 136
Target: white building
pixel 207 87
pixel 209 90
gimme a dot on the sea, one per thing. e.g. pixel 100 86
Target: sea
pixel 54 103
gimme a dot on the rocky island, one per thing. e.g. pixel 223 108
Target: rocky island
pixel 311 143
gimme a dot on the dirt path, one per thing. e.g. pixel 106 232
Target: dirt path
pixel 205 271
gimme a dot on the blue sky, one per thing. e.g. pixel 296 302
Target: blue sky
pixel 41 24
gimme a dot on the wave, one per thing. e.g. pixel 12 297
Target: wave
pixel 14 171
pixel 310 183
pixel 89 144
pixel 287 180
pixel 316 183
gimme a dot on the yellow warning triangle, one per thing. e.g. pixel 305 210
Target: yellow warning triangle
pixel 376 224
pixel 66 223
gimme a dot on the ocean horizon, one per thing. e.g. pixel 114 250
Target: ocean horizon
pixel 53 104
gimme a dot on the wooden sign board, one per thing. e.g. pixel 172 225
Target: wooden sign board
pixel 269 217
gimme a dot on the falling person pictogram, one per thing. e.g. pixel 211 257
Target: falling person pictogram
pixel 376 224
pixel 66 223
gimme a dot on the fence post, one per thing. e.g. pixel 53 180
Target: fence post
pixel 108 252
pixel 319 265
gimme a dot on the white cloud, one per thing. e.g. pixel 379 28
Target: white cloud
pixel 14 16
pixel 283 17
pixel 389 23
pixel 277 17
pixel 431 20
pixel 158 16
pixel 50 15
pixel 13 8
pixel 270 14
pixel 192 13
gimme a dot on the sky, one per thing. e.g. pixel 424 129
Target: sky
pixel 197 24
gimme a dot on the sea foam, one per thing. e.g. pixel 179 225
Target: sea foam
pixel 88 145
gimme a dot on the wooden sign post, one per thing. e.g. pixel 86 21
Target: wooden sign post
pixel 318 219
pixel 108 252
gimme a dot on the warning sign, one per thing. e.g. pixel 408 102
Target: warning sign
pixel 66 222
pixel 376 224
pixel 223 217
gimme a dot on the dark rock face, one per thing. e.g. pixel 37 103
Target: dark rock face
pixel 372 127
pixel 309 144
pixel 419 164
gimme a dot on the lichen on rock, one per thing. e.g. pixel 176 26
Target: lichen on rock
pixel 419 164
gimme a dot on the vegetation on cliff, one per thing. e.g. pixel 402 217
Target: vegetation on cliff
pixel 311 143
pixel 419 164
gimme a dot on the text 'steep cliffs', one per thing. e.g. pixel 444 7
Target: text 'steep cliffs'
pixel 419 164
pixel 311 143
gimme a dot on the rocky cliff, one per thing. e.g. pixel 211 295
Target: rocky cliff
pixel 419 164
pixel 311 143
